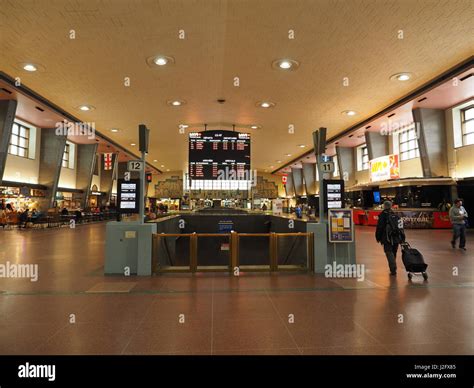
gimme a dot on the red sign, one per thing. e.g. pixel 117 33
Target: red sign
pixel 283 179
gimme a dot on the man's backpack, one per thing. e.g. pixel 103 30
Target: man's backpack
pixel 394 229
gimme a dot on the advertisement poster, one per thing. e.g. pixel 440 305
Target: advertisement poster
pixel 384 168
pixel 277 207
pixel 340 225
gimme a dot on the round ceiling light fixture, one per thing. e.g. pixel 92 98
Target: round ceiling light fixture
pixel 176 102
pixel 285 64
pixel 86 108
pixel 30 67
pixel 401 77
pixel 301 145
pixel 159 60
pixel 133 144
pixel 349 112
pixel 115 130
pixel 265 104
pixel 255 126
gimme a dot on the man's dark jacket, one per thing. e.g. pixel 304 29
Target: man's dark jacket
pixel 381 231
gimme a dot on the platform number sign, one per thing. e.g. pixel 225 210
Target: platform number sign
pixel 327 167
pixel 135 165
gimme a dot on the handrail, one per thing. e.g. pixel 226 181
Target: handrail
pixel 234 239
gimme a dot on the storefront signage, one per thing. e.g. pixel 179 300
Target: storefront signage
pixel 416 219
pixel 128 195
pixel 341 228
pixel 384 168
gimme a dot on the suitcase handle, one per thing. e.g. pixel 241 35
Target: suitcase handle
pixel 405 245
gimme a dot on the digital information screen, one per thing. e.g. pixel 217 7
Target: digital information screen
pixel 128 194
pixel 219 154
pixel 340 225
pixel 333 194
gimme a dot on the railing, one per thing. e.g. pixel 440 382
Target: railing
pixel 183 254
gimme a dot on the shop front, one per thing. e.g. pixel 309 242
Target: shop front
pixel 22 196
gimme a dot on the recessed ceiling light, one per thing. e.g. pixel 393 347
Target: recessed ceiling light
pixel 114 130
pixel 272 166
pixel 255 127
pixel 154 160
pixel 349 112
pixel 301 145
pixel 167 169
pixel 133 144
pixel 278 161
pixel 265 104
pixel 176 102
pixel 162 165
pixel 285 64
pixel 86 108
pixel 30 67
pixel 288 154
pixel 159 60
pixel 401 77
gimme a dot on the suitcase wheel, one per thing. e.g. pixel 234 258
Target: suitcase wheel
pixel 410 275
pixel 425 276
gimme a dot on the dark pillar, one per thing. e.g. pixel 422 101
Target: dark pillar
pixel 309 175
pixel 297 174
pixel 51 156
pixel 377 144
pixel 7 115
pixel 431 135
pixel 289 187
pixel 86 154
pixel 345 161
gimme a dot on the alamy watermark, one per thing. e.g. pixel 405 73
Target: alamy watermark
pixel 65 128
pixel 12 270
pixel 231 174
pixel 335 270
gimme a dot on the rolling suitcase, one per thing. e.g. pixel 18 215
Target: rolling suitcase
pixel 413 261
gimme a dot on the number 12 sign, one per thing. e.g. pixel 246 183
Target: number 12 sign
pixel 135 165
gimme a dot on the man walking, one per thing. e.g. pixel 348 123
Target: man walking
pixel 390 234
pixel 458 216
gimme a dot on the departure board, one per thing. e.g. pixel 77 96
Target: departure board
pixel 219 154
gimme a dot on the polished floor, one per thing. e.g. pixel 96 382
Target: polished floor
pixel 74 309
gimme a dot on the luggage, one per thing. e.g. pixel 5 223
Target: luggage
pixel 413 261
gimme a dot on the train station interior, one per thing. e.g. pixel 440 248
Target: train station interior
pixel 219 177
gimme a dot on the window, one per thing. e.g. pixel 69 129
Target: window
pixel 467 125
pixel 336 166
pixel 66 155
pixel 408 144
pixel 362 158
pixel 19 140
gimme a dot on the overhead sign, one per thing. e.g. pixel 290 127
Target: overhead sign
pixel 128 195
pixel 135 165
pixel 219 154
pixel 284 179
pixel 341 228
pixel 384 168
pixel 108 161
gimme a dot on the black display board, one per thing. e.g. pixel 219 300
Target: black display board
pixel 333 194
pixel 128 195
pixel 219 154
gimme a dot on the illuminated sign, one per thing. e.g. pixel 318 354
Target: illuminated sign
pixel 284 178
pixel 128 195
pixel 384 168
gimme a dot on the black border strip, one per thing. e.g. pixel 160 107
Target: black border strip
pixel 32 94
pixel 452 72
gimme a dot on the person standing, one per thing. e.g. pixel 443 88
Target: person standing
pixel 390 234
pixel 458 216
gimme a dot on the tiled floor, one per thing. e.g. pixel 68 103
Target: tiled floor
pixel 74 309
